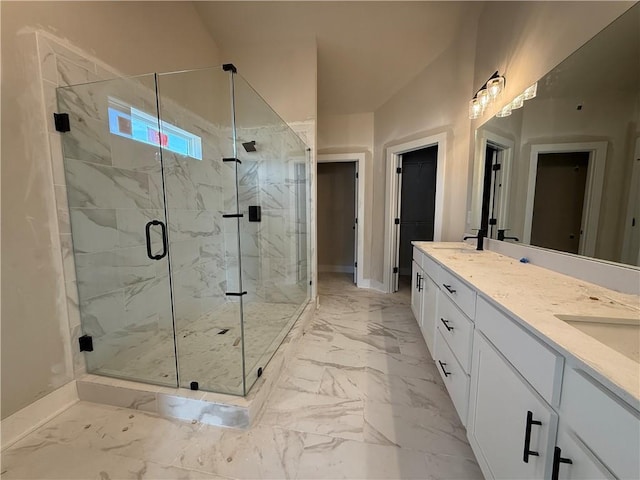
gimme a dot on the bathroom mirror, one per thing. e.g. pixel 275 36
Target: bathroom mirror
pixel 563 171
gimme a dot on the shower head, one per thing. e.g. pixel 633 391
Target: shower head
pixel 250 146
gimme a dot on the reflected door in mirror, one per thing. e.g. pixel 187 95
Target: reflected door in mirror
pixel 559 200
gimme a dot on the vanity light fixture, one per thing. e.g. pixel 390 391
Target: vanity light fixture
pixel 489 92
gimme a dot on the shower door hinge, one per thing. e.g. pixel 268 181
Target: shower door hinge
pixel 398 170
pixel 86 343
pixel 231 159
pixel 229 67
pixel 395 269
pixel 61 121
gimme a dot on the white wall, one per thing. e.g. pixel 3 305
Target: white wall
pixel 167 36
pixel 525 40
pixel 434 102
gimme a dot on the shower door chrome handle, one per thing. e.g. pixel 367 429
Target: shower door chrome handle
pixel 164 239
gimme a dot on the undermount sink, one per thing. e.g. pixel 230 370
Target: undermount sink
pixel 621 334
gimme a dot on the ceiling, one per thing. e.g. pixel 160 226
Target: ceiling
pixel 367 51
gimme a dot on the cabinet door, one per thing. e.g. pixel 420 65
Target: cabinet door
pixel 507 418
pixel 583 463
pixel 429 311
pixel 416 290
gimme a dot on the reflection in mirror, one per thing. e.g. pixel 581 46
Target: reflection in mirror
pixel 563 171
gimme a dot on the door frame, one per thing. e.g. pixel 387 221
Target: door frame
pixel 506 147
pixel 627 255
pixel 393 190
pixel 359 159
pixel 592 195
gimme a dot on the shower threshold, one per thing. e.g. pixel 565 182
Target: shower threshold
pixel 197 406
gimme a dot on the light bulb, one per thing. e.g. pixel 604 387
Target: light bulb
pixel 495 87
pixel 531 92
pixel 484 98
pixel 475 109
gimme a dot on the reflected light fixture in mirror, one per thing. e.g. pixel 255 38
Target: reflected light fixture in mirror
pixel 517 102
pixel 505 111
pixel 531 92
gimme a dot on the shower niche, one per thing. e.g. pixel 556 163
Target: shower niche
pixel 177 285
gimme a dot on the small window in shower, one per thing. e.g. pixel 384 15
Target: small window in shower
pixel 129 122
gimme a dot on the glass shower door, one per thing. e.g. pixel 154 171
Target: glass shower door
pixel 201 201
pixel 114 178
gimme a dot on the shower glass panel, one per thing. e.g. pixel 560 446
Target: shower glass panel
pixel 272 178
pixel 200 193
pixel 113 170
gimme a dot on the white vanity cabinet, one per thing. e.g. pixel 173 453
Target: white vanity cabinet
pixel 416 288
pixel 600 433
pixel 514 380
pixel 532 408
pixel 510 427
pixel 424 277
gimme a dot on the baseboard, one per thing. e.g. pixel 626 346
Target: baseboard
pixel 335 268
pixel 25 421
pixel 372 284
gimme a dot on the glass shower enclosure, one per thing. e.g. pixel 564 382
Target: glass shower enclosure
pixel 188 202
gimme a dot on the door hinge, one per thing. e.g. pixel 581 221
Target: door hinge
pixel 493 221
pixel 356 220
pixel 398 170
pixel 496 167
pixel 356 174
pixel 61 122
pixel 395 269
pixel 397 221
pixel 86 343
pixel 356 265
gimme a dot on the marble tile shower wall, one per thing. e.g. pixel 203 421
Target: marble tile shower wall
pixel 61 65
pixel 274 250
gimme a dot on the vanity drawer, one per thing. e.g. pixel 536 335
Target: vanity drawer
pixel 456 329
pixel 463 296
pixel 454 377
pixel 537 363
pixel 607 426
pixel 431 268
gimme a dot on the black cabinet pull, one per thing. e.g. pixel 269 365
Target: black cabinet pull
pixel 448 287
pixel 446 324
pixel 420 279
pixel 164 239
pixel 417 280
pixel 557 460
pixel 527 438
pixel 446 374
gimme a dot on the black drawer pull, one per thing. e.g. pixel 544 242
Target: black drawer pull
pixel 527 438
pixel 557 460
pixel 448 287
pixel 446 324
pixel 420 279
pixel 446 374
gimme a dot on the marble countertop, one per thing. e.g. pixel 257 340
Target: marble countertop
pixel 534 295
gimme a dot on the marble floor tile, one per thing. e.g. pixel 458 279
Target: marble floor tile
pixel 360 398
